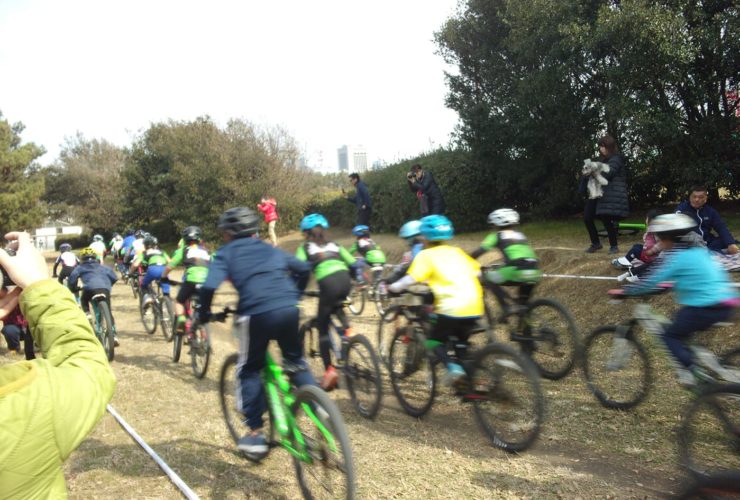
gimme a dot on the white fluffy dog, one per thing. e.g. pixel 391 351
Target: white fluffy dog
pixel 596 181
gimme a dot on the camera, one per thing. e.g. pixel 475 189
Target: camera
pixel 5 279
pixel 410 174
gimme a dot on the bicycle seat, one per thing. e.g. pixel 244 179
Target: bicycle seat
pixel 98 296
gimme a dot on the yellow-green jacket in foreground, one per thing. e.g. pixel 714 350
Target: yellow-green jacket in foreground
pixel 48 406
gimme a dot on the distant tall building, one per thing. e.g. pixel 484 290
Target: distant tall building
pixel 352 159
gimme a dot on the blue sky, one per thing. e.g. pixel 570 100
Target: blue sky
pixel 331 72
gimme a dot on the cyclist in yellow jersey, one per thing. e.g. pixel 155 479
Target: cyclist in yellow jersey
pixel 453 277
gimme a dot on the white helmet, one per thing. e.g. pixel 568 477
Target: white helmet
pixel 671 225
pixel 504 217
pixel 97 237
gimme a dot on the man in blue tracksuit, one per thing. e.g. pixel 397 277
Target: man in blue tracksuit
pixel 268 309
pixel 361 199
pixel 702 287
pixel 708 219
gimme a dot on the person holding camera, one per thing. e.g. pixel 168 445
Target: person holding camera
pixel 361 199
pixel 47 405
pixel 430 197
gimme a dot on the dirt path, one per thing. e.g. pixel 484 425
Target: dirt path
pixel 584 451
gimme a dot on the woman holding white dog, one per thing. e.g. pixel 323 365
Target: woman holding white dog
pixel 605 183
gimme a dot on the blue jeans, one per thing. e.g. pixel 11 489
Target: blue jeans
pixel 689 320
pixel 12 334
pixel 155 273
pixel 255 333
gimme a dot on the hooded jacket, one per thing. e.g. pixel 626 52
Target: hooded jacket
pixel 708 219
pixel 49 405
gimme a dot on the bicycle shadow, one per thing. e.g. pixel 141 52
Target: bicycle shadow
pixel 212 470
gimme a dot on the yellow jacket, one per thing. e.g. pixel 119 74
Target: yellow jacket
pixel 48 406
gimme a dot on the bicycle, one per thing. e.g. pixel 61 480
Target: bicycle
pixel 302 420
pixel 355 359
pixel 373 290
pixel 545 331
pixel 616 364
pixel 502 386
pixel 198 335
pixel 158 310
pixel 135 283
pixel 102 323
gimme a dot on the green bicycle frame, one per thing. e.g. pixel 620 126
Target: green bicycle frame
pixel 280 398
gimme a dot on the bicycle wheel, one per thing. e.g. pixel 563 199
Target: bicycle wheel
pixel 723 485
pixel 356 299
pixel 227 387
pixel 134 281
pixel 177 346
pixel 310 335
pixel 554 344
pixel 329 472
pixel 106 329
pixel 200 350
pixel 382 299
pixel 709 436
pixel 617 369
pixel 412 372
pixel 167 318
pixel 392 320
pixel 149 316
pixel 362 373
pixel 507 398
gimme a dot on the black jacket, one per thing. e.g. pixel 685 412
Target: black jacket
pixel 431 200
pixel 615 202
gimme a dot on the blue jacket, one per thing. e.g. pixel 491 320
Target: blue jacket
pixel 698 280
pixel 708 220
pixel 259 272
pixel 361 197
pixel 94 276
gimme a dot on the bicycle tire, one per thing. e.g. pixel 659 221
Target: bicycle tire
pixel 177 346
pixel 167 318
pixel 501 378
pixel 614 391
pixel 709 435
pixel 356 300
pixel 227 396
pixel 310 335
pixel 408 358
pixel 322 458
pixel 382 300
pixel 149 316
pixel 555 344
pixel 723 485
pixel 134 281
pixel 200 349
pixel 362 375
pixel 106 320
pixel 387 326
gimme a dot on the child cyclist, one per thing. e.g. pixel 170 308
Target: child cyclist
pixel 196 260
pixel 702 288
pixel 411 232
pixel 67 259
pixel 453 277
pixel 521 267
pixel 369 252
pixel 96 278
pixel 98 245
pixel 330 263
pixel 153 261
pixel 268 309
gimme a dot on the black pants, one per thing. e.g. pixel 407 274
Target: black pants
pixel 363 216
pixel 446 326
pixel 332 291
pixel 611 224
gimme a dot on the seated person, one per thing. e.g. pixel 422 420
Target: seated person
pixel 708 221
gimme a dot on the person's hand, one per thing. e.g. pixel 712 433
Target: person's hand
pixel 28 265
pixel 732 249
pixel 616 292
pixel 8 302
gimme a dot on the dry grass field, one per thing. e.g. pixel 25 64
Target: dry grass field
pixel 584 451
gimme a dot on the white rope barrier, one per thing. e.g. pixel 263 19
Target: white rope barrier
pixel 176 480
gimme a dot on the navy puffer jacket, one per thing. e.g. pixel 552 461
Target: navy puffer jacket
pixel 615 202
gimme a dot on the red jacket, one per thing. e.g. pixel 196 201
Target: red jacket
pixel 269 210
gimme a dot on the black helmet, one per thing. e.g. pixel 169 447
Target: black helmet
pixel 192 233
pixel 239 222
pixel 150 241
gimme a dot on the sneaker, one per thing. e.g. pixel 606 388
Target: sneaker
pixel 613 250
pixel 455 375
pixel 331 377
pixel 254 446
pixel 593 248
pixel 115 341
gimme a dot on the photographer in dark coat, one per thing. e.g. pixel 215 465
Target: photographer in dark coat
pixel 613 205
pixel 430 197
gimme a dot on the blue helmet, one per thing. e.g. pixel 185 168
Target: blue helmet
pixel 312 220
pixel 436 228
pixel 410 229
pixel 361 230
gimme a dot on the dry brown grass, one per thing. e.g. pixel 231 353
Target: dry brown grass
pixel 585 451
